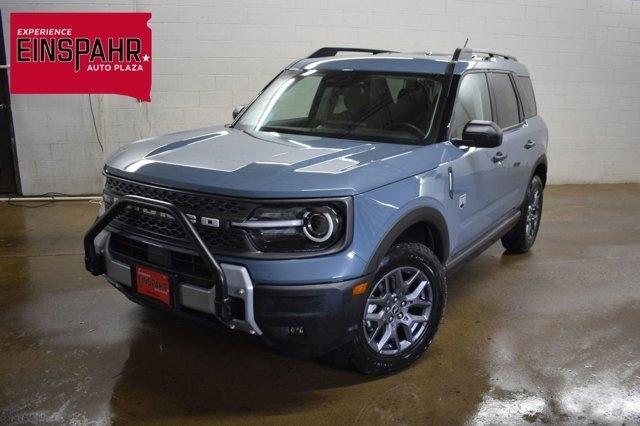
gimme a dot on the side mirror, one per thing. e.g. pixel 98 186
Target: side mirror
pixel 237 110
pixel 481 134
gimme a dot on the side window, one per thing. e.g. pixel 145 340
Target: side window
pixel 526 95
pixel 505 98
pixel 472 102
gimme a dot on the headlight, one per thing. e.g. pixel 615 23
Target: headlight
pixel 320 224
pixel 285 229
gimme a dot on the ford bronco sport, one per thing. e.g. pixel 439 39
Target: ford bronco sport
pixel 326 216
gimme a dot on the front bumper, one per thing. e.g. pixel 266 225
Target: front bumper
pixel 309 320
pixel 302 321
pixel 188 297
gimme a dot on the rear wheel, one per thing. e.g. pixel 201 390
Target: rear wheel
pixel 402 312
pixel 523 235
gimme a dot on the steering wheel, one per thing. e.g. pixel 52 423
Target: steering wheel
pixel 411 128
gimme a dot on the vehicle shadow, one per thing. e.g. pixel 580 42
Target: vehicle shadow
pixel 179 369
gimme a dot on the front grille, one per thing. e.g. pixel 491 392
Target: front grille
pixel 192 202
pixel 132 251
pixel 219 240
pixel 163 227
pixel 234 240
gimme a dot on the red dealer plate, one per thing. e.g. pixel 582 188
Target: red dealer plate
pixel 154 284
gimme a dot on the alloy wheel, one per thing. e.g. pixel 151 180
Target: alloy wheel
pixel 533 213
pixel 398 310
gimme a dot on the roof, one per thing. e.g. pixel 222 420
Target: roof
pixel 421 62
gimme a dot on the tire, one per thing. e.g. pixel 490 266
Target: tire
pixel 420 303
pixel 521 237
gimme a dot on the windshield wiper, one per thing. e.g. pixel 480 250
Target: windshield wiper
pixel 298 130
pixel 276 129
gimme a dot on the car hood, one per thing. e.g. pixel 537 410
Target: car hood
pixel 233 162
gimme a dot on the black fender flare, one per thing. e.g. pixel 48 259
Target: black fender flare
pixel 417 215
pixel 541 160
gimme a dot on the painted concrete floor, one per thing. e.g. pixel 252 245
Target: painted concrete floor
pixel 550 336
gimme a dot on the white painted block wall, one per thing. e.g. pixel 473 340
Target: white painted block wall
pixel 208 56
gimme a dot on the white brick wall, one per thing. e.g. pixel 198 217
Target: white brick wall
pixel 584 56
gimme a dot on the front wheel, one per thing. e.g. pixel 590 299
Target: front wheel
pixel 523 235
pixel 402 312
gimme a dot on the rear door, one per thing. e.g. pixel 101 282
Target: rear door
pixel 509 117
pixel 528 147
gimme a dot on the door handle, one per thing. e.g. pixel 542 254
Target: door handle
pixel 530 144
pixel 499 157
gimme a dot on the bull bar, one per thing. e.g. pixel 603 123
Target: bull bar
pixel 95 264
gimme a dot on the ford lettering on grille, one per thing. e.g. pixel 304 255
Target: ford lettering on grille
pixel 202 220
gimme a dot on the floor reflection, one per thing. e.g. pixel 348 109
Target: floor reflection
pixel 179 369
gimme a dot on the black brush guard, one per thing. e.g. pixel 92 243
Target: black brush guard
pixel 95 262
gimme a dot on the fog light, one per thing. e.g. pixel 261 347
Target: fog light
pixel 297 330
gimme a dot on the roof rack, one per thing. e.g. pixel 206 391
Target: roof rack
pixel 470 53
pixel 430 53
pixel 333 51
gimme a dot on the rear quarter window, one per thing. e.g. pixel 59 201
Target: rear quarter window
pixel 525 88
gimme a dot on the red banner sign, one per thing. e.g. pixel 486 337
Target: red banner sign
pixel 81 53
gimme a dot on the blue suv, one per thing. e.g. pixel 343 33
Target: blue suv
pixel 326 217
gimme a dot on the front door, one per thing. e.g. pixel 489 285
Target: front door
pixel 7 154
pixel 478 180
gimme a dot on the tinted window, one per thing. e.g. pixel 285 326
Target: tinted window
pixel 506 101
pixel 472 102
pixel 526 95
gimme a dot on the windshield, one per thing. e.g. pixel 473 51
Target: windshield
pixel 350 105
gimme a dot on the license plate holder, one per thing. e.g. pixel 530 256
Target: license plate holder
pixel 153 284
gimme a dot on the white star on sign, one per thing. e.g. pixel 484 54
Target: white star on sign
pixel 145 58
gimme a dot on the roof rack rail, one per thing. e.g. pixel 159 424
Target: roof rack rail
pixel 430 53
pixel 470 53
pixel 333 51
